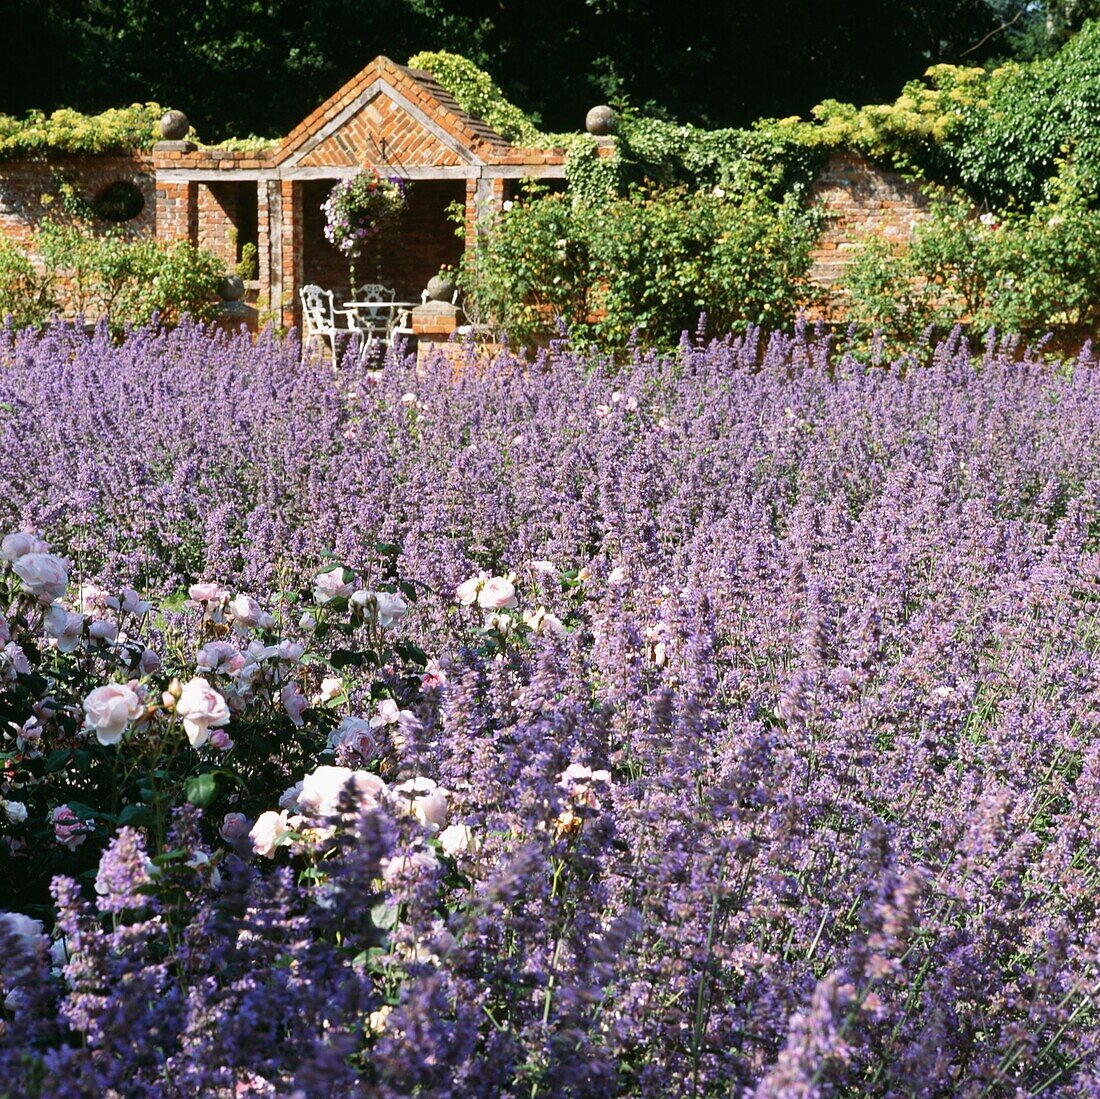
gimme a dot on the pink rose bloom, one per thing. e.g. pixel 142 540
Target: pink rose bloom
pixel 434 675
pixel 65 628
pixel 43 575
pixel 132 603
pixel 288 800
pixel 109 709
pixel 13 654
pixel 201 708
pixel 93 598
pixel 207 593
pixel 20 543
pixel 388 714
pixel 235 827
pixel 220 739
pixel 149 662
pixel 246 610
pixel 269 828
pixel 219 656
pixel 294 702
pixel 355 734
pixel 106 632
pixel 68 829
pixel 497 594
pixel 331 585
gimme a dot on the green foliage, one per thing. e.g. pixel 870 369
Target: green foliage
pixel 251 143
pixel 1008 145
pixel 26 295
pixel 248 266
pixel 651 261
pixel 128 279
pixel 1026 273
pixel 475 92
pixel 68 132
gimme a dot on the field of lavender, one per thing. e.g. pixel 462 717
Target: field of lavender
pixel 716 724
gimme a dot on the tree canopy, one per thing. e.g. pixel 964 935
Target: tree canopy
pixel 258 66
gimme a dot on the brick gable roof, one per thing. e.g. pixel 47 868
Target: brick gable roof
pixel 433 129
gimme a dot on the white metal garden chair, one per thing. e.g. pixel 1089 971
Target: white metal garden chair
pixel 319 317
pixel 372 316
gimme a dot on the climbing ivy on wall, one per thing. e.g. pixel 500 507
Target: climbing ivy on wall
pixel 120 130
pixel 998 133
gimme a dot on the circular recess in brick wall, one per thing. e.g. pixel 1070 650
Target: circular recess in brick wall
pixel 119 201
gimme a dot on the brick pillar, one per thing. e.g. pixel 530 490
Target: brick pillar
pixel 263 246
pixel 290 200
pixel 177 211
pixel 471 212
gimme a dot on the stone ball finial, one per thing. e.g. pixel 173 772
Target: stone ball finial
pixel 174 126
pixel 231 288
pixel 601 121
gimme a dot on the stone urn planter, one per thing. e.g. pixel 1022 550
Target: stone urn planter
pixel 440 288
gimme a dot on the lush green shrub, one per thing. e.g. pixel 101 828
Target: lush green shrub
pixel 476 93
pixel 1017 272
pixel 1009 143
pixel 128 279
pixel 27 295
pixel 651 261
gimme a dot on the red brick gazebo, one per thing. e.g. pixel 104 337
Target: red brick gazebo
pixel 395 119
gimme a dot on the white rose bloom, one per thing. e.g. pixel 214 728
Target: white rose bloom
pixel 458 839
pixel 266 832
pixel 15 811
pixel 43 575
pixel 391 608
pixel 323 789
pixel 202 709
pixel 411 864
pixel 109 709
pixel 467 592
pixel 23 926
pixel 423 799
pixel 332 686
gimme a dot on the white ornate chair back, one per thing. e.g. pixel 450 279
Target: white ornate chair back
pixel 375 291
pixel 317 310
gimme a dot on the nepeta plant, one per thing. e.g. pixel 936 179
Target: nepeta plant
pixel 740 738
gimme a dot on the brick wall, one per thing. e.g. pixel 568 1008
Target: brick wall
pixel 227 218
pixel 860 200
pixel 24 182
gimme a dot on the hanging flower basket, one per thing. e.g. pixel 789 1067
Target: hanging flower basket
pixel 360 209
